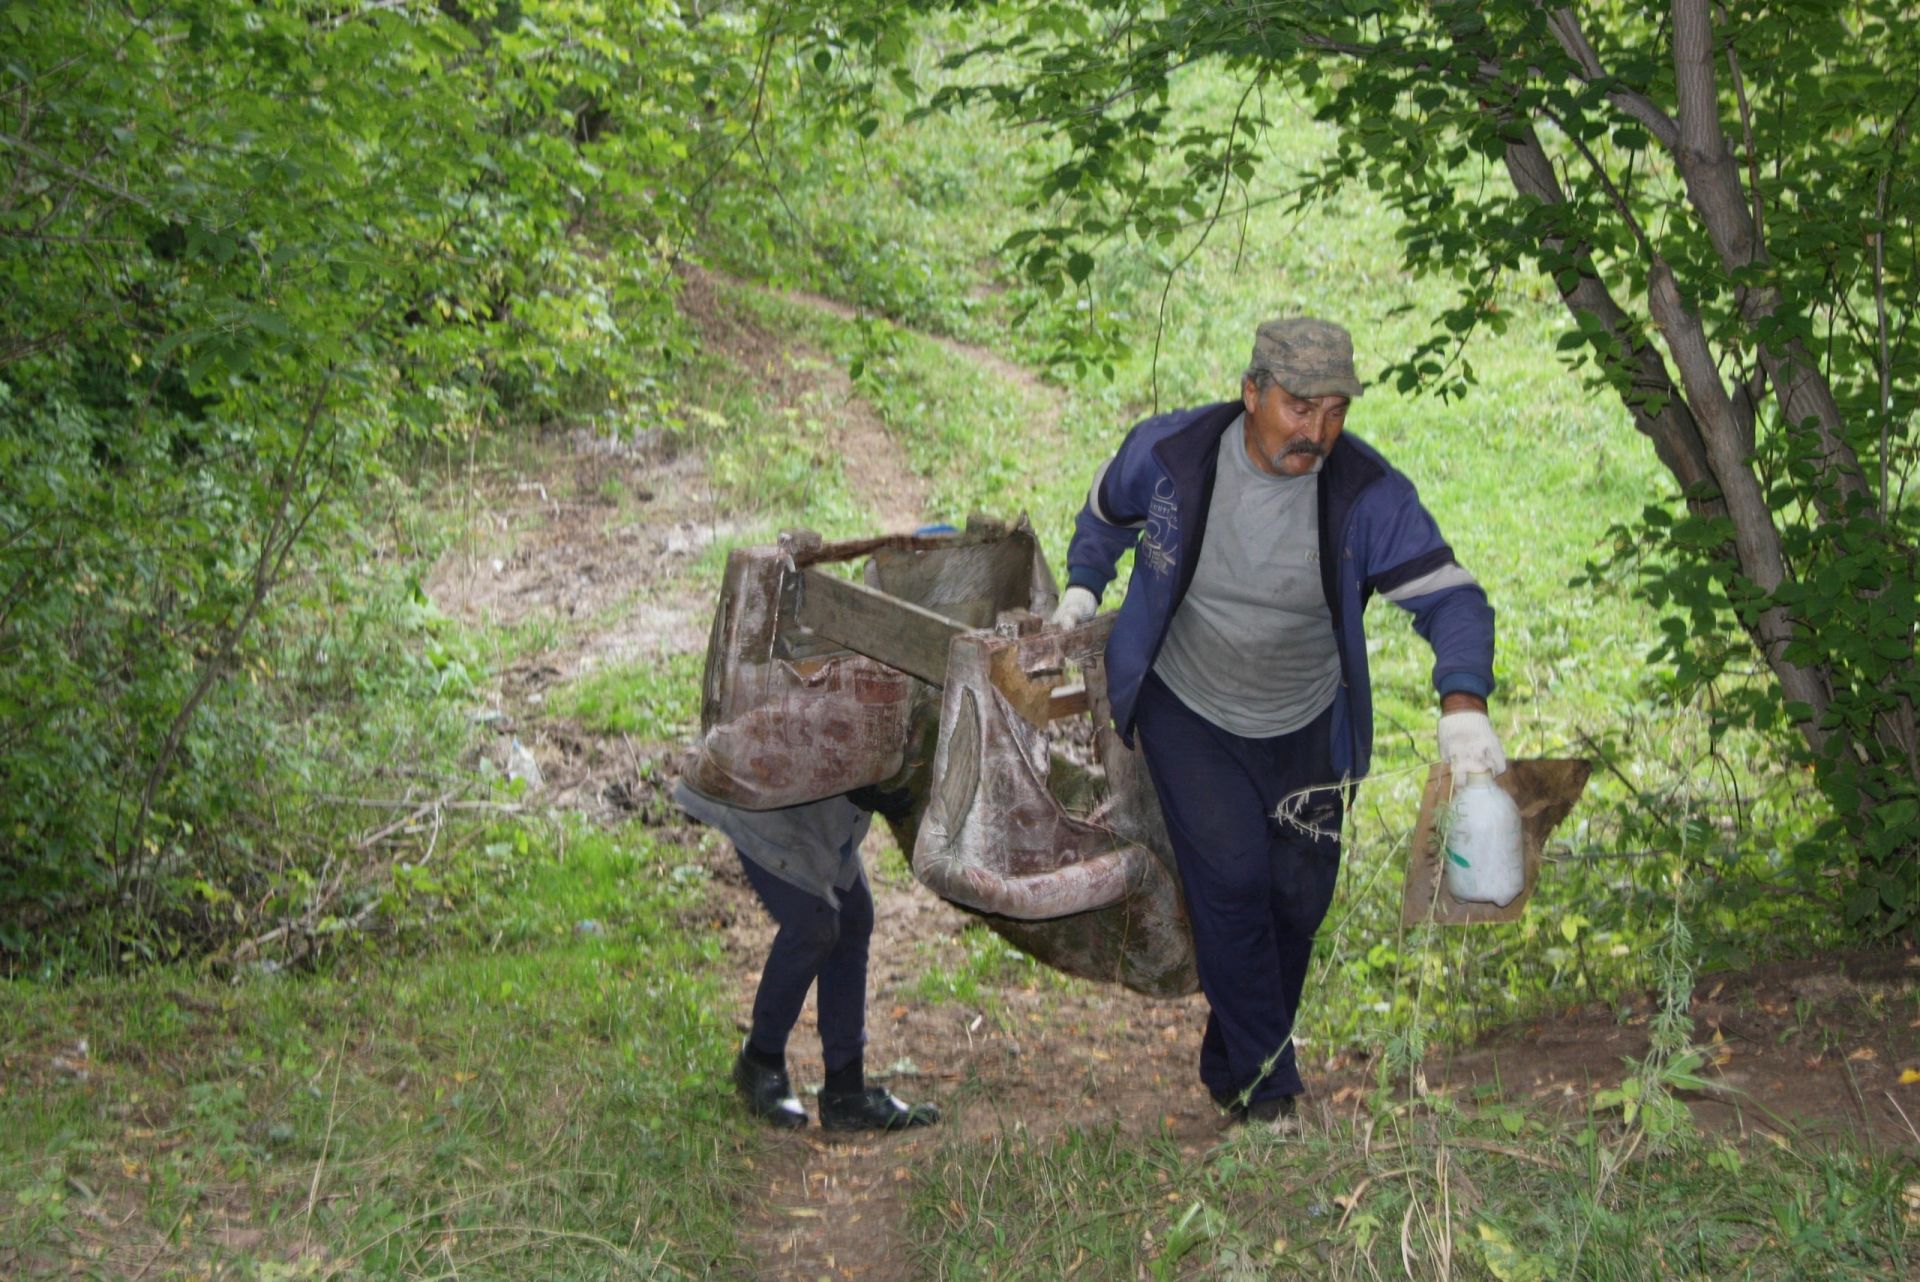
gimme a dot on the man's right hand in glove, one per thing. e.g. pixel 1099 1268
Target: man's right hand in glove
pixel 1077 605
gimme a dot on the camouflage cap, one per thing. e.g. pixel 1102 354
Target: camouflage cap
pixel 1307 356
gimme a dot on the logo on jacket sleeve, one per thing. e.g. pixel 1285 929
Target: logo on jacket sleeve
pixel 1160 542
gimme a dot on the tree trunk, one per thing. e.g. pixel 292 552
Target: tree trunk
pixel 1756 540
pixel 1713 186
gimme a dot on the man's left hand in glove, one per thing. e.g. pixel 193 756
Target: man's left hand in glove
pixel 1468 743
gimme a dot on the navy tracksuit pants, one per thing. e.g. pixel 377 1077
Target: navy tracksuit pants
pixel 1256 888
pixel 816 941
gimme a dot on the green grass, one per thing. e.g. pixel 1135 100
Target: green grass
pixel 987 966
pixel 970 432
pixel 655 700
pixel 1407 1191
pixel 544 1104
pixel 774 467
pixel 907 223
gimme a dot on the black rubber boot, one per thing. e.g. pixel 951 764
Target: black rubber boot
pixel 873 1109
pixel 1276 1109
pixel 767 1092
pixel 1273 1109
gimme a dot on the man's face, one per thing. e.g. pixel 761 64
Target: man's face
pixel 1290 435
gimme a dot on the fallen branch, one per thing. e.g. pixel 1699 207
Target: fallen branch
pixel 408 803
pixel 420 812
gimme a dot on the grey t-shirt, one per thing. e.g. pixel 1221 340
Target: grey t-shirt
pixel 1251 647
pixel 815 845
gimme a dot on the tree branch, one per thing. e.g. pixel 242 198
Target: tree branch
pixel 1897 140
pixel 1614 195
pixel 80 176
pixel 1226 183
pixel 1565 26
pixel 1670 426
pixel 1713 187
pixel 1753 157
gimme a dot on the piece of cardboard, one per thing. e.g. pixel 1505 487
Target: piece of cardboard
pixel 1544 788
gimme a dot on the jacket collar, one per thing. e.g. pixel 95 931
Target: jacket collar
pixel 1350 468
pixel 1190 452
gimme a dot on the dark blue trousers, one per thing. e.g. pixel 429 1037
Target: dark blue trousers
pixel 815 942
pixel 1256 888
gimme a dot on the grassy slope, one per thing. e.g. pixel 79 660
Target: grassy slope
pixel 535 1099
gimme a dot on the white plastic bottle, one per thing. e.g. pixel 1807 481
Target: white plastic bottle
pixel 1484 859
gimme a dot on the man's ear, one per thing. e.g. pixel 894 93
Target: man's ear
pixel 1249 395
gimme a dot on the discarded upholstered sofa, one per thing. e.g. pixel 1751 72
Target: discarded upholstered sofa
pixel 933 680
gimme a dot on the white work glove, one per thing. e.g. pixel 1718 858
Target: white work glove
pixel 1077 605
pixel 1468 744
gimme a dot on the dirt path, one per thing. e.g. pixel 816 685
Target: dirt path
pixel 794 376
pixel 594 542
pixel 984 359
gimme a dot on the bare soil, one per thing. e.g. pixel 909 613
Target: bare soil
pixel 1801 1049
pixel 584 547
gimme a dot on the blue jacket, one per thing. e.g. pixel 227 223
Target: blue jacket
pixel 1374 537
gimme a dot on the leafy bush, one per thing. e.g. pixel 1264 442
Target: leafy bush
pixel 247 251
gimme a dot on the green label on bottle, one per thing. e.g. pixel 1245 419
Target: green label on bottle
pixel 1453 857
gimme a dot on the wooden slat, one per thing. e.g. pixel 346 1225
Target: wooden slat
pixel 1066 701
pixel 898 633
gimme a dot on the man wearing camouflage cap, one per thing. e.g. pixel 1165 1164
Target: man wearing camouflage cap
pixel 1260 530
